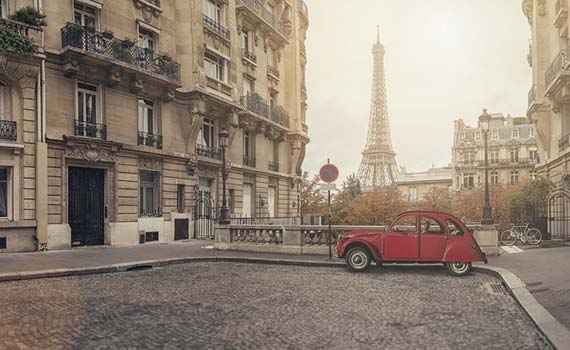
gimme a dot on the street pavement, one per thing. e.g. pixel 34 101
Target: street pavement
pixel 223 305
pixel 546 272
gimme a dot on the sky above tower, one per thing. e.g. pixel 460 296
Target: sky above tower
pixel 445 59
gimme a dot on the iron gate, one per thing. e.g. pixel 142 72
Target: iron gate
pixel 204 216
pixel 559 215
pixel 86 206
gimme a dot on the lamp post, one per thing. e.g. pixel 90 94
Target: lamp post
pixel 485 121
pixel 224 219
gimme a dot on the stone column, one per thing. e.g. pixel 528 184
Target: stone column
pixel 487 236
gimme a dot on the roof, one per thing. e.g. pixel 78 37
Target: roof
pixel 432 175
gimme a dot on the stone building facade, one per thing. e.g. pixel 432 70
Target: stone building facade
pixel 512 152
pixel 415 186
pixel 136 94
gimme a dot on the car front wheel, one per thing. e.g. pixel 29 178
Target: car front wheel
pixel 459 268
pixel 358 259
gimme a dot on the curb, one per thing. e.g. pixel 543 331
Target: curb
pixel 554 331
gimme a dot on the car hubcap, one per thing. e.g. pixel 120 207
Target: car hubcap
pixel 459 267
pixel 358 260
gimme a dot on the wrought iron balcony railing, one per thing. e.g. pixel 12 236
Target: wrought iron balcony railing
pixel 126 51
pixel 264 14
pixel 8 130
pixel 249 161
pixel 150 140
pixel 273 72
pixel 154 2
pixel 559 64
pixel 216 27
pixel 97 130
pixel 564 143
pixel 206 151
pixel 273 166
pixel 245 53
pixel 255 103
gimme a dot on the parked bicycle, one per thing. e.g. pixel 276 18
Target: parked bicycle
pixel 525 234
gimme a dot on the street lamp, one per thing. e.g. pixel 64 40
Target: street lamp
pixel 485 121
pixel 224 219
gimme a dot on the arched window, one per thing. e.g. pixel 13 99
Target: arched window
pixel 4 102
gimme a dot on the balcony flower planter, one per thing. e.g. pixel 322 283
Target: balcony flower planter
pixel 127 44
pixel 107 34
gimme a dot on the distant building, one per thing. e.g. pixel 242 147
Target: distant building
pixel 416 185
pixel 512 156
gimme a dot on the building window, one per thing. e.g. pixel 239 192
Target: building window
pixel 468 180
pixel 494 178
pixel 271 200
pixel 514 177
pixel 514 156
pixel 494 157
pixel 214 11
pixel 533 174
pixel 4 102
pixel 247 86
pixel 5 193
pixel 88 113
pixel 533 156
pixel 531 132
pixel 249 148
pixel 412 194
pixel 149 194
pixel 3 8
pixel 148 121
pixel 469 158
pixel 494 134
pixel 148 42
pixel 215 67
pixel 180 198
pixel 84 15
pixel 515 133
pixel 207 135
pixel 478 136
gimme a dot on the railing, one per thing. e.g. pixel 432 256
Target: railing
pixel 273 166
pixel 564 143
pixel 257 235
pixel 249 161
pixel 256 104
pixel 126 51
pixel 273 72
pixel 206 151
pixel 216 27
pixel 154 2
pixel 531 95
pixel 151 140
pixel 8 130
pixel 293 220
pixel 219 85
pixel 248 55
pixel 303 8
pixel 97 130
pixel 499 161
pixel 559 64
pixel 263 13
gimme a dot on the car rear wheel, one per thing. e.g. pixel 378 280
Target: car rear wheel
pixel 358 259
pixel 459 268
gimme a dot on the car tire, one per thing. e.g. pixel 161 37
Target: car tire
pixel 458 268
pixel 358 259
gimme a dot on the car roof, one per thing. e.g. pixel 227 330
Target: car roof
pixel 428 212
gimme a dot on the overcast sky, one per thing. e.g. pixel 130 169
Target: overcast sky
pixel 444 59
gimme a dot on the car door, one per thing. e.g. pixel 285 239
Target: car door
pixel 433 239
pixel 401 240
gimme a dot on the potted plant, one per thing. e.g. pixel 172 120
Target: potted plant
pixel 128 43
pixel 107 34
pixel 29 15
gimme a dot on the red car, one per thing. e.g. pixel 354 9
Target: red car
pixel 415 237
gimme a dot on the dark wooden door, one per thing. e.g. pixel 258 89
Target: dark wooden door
pixel 86 206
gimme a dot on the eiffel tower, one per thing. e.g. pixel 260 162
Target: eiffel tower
pixel 378 165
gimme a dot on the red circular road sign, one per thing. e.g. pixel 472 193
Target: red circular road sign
pixel 328 173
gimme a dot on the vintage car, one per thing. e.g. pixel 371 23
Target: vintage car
pixel 414 237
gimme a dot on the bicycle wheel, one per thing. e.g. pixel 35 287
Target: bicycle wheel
pixel 508 237
pixel 534 236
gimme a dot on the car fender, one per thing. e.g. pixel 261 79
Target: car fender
pixel 360 241
pixel 461 251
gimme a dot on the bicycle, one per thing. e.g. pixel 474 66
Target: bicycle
pixel 525 234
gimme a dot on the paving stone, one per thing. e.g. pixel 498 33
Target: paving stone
pixel 215 305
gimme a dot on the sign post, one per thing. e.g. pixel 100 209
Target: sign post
pixel 329 174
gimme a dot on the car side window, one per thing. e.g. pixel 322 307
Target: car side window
pixel 454 228
pixel 406 224
pixel 429 225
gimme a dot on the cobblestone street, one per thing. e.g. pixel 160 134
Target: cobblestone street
pixel 249 306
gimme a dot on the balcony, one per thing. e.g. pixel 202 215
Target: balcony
pixel 207 151
pixel 219 86
pixel 249 161
pixel 561 12
pixel 564 143
pixel 256 104
pixel 125 51
pixel 98 131
pixel 216 28
pixel 557 70
pixel 273 73
pixel 150 140
pixel 31 36
pixel 261 15
pixel 248 55
pixel 8 130
pixel 273 166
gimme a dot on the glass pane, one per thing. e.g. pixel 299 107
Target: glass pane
pixel 92 109
pixel 80 107
pixel 149 200
pixel 406 224
pixel 150 121
pixel 429 225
